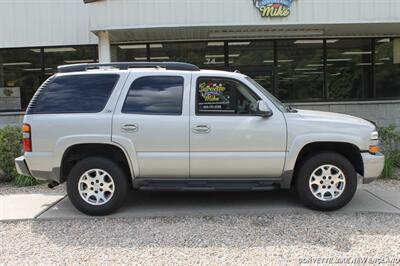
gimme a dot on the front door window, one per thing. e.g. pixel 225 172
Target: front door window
pixel 221 96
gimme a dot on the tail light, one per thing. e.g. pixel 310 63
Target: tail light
pixel 26 138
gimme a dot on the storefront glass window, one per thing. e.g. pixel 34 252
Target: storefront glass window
pixel 20 76
pixel 128 52
pixel 349 68
pixel 255 59
pixel 56 56
pixel 293 70
pixel 300 70
pixel 206 55
pixel 387 67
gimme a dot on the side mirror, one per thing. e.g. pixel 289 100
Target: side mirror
pixel 262 109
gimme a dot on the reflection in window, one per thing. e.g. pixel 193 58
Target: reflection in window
pixel 387 62
pixel 255 59
pixel 349 68
pixel 20 76
pixel 206 55
pixel 73 94
pixel 56 56
pixel 155 95
pixel 300 69
pixel 224 96
pixel 128 52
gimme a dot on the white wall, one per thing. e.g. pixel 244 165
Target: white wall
pixel 44 23
pixel 26 23
pixel 138 13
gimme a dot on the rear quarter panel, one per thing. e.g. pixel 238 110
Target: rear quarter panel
pixel 52 134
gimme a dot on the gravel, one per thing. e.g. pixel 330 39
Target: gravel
pixel 9 188
pixel 228 240
pixel 288 238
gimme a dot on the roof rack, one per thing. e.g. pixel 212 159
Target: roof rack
pixel 127 65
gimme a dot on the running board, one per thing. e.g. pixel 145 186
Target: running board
pixel 206 185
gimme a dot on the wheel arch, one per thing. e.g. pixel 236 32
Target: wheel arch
pixel 348 150
pixel 77 152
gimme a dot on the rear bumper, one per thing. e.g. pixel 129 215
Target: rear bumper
pixel 373 166
pixel 22 162
pixel 21 166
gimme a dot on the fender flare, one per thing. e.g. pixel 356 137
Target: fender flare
pixel 63 144
pixel 298 144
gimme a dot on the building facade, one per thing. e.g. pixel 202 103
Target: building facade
pixel 332 55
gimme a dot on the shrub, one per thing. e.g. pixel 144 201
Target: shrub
pixel 390 145
pixel 10 148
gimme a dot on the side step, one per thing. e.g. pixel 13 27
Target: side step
pixel 206 185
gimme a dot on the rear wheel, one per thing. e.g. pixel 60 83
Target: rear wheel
pixel 326 181
pixel 97 186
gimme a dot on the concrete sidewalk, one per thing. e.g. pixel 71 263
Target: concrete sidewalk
pixel 26 206
pixel 162 204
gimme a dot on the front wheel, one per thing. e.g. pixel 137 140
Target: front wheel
pixel 326 181
pixel 97 186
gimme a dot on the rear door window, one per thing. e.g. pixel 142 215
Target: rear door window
pixel 155 95
pixel 87 93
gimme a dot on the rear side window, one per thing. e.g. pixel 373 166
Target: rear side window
pixel 73 94
pixel 155 95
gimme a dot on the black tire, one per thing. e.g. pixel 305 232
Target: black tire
pixel 307 168
pixel 121 185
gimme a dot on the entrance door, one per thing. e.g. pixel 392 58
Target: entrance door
pixel 226 138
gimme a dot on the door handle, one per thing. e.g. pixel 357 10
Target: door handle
pixel 130 127
pixel 201 129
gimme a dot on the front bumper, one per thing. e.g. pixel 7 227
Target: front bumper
pixel 373 166
pixel 21 166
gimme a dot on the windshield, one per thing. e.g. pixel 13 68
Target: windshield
pixel 275 101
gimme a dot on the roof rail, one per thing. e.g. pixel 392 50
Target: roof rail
pixel 127 65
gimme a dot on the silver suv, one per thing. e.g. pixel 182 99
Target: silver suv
pixel 107 128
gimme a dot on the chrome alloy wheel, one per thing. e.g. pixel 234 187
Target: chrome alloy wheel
pixel 96 187
pixel 327 182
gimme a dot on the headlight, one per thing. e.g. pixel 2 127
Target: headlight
pixel 374 135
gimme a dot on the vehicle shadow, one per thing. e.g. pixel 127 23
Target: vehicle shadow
pixel 152 203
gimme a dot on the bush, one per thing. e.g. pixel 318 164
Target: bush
pixel 390 145
pixel 10 148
